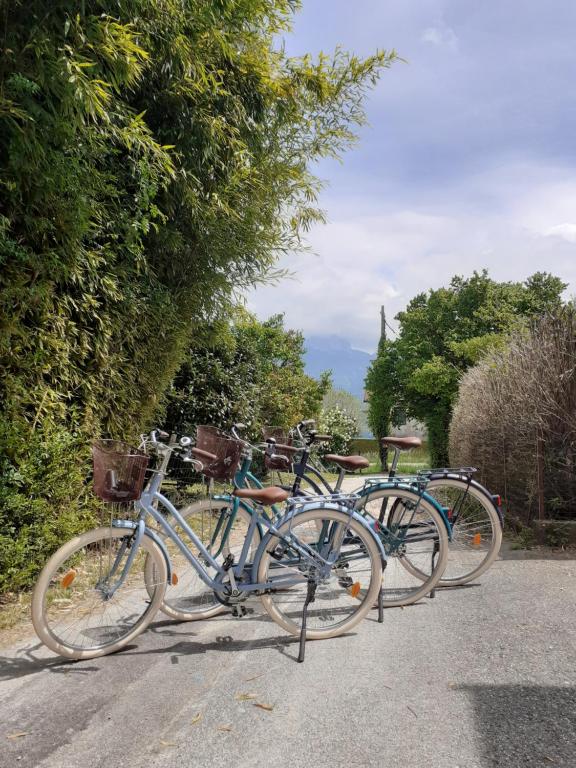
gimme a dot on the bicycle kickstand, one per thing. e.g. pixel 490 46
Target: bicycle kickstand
pixel 310 597
pixel 434 553
pixel 380 606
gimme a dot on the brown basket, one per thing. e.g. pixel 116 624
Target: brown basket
pixel 227 451
pixel 118 471
pixel 278 462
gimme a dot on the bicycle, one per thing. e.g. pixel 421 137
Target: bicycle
pixel 101 589
pixel 471 514
pixel 418 535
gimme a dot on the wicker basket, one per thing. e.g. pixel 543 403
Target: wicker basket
pixel 119 471
pixel 227 451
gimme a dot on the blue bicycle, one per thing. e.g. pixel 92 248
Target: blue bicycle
pixel 101 589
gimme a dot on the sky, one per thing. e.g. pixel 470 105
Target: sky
pixel 468 161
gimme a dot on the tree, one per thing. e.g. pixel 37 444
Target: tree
pixel 154 158
pixel 250 372
pixel 441 334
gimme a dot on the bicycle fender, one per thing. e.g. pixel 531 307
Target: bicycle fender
pixel 129 524
pixel 314 505
pixel 407 487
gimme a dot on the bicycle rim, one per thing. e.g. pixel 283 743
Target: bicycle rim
pixel 75 610
pixel 344 596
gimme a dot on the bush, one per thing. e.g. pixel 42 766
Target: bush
pixel 341 426
pixel 515 419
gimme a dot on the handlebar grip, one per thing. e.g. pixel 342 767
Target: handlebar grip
pixel 239 426
pixel 162 435
pixel 200 454
pixel 322 438
pixel 307 423
pixel 288 448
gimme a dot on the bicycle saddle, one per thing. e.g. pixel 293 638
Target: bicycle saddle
pixel 403 443
pixel 264 496
pixel 349 463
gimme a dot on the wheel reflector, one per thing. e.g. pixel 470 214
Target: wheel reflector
pixel 477 539
pixel 68 578
pixel 354 589
pixel 174 579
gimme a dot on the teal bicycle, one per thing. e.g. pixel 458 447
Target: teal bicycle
pixel 416 544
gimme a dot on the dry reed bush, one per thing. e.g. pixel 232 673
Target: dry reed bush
pixel 516 414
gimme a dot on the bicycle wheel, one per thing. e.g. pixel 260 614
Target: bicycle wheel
pixel 73 611
pixel 340 602
pixel 476 530
pixel 415 540
pixel 189 598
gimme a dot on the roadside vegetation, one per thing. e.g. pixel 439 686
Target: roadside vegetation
pixel 155 159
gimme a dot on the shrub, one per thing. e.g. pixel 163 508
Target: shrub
pixel 342 428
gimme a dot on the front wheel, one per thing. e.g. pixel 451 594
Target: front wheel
pixel 81 607
pixel 343 595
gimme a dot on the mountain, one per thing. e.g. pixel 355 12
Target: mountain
pixel 348 365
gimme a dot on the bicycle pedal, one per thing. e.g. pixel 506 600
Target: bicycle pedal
pixel 238 611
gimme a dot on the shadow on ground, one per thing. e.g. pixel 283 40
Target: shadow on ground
pixel 521 726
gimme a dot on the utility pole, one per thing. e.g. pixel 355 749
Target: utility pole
pixel 382 324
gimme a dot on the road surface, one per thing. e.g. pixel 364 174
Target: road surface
pixel 477 677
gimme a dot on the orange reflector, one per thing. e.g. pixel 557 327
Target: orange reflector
pixel 174 579
pixel 68 578
pixel 354 589
pixel 477 539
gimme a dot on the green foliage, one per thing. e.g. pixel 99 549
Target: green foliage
pixel 250 372
pixel 154 158
pixel 441 334
pixel 341 426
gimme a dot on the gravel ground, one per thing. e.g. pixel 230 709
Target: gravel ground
pixel 479 676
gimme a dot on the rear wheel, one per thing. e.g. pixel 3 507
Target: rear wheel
pixel 476 529
pixel 76 609
pixel 343 595
pixel 189 598
pixel 415 540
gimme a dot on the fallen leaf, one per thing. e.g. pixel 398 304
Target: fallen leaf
pixel 267 707
pixel 549 759
pixel 196 718
pixel 167 743
pixel 411 710
pixel 224 727
pixel 17 735
pixel 452 685
pixel 245 696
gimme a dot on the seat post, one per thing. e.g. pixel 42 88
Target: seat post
pixel 394 465
pixel 338 485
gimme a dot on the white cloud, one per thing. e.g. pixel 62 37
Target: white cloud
pixel 370 255
pixel 441 35
pixel 567 231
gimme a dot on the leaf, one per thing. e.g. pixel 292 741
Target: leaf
pixel 261 705
pixel 245 696
pixel 225 728
pixel 17 735
pixel 167 743
pixel 196 719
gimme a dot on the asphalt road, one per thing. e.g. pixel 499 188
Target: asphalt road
pixel 479 676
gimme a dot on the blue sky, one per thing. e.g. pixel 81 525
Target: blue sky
pixel 469 160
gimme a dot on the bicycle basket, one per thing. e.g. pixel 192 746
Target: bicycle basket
pixel 226 449
pixel 118 471
pixel 278 461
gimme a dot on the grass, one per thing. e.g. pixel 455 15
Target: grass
pixel 410 462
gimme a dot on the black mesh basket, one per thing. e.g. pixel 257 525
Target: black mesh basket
pixel 227 451
pixel 119 471
pixel 282 459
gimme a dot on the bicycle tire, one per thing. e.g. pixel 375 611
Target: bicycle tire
pixel 140 609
